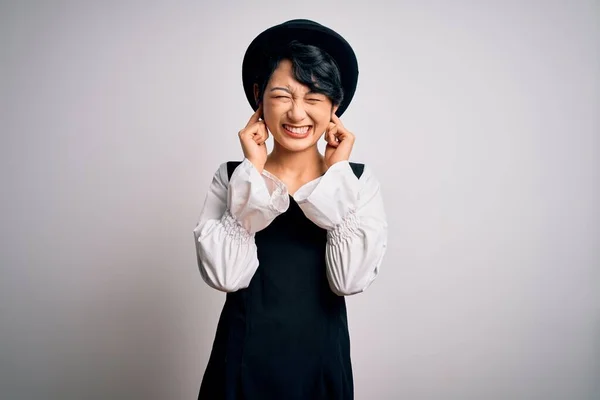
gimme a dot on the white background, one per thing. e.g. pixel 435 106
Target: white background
pixel 480 118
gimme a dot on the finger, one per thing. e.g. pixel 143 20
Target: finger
pixel 258 137
pixel 252 128
pixel 250 133
pixel 256 116
pixel 337 136
pixel 341 131
pixel 336 120
pixel 345 144
pixel 331 140
pixel 330 134
pixel 343 134
pixel 264 132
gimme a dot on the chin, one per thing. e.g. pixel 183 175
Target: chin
pixel 295 145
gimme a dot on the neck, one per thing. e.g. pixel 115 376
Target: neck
pixel 306 163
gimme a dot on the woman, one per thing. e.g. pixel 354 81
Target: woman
pixel 288 234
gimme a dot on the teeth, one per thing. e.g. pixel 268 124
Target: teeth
pixel 299 131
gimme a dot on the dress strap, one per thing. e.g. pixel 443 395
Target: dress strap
pixel 357 169
pixel 231 166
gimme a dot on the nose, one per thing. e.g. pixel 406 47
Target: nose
pixel 296 113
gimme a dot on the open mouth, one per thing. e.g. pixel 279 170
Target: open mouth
pixel 297 131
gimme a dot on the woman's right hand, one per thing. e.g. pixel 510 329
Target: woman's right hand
pixel 253 138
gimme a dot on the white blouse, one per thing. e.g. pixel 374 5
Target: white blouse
pixel 350 209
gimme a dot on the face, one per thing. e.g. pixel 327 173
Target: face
pixel 296 117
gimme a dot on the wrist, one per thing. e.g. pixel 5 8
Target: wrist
pixel 257 165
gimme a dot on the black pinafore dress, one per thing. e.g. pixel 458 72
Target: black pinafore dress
pixel 285 336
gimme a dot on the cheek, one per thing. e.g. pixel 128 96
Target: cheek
pixel 274 108
pixel 268 108
pixel 271 117
pixel 322 118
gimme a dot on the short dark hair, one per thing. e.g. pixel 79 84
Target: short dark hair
pixel 311 66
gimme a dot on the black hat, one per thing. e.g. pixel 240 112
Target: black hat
pixel 306 32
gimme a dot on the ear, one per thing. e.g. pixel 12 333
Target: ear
pixel 256 99
pixel 334 109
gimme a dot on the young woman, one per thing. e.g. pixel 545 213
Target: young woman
pixel 288 234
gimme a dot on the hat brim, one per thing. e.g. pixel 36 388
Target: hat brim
pixel 306 32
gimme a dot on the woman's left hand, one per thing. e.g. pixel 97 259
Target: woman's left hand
pixel 339 142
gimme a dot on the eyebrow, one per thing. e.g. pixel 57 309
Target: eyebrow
pixel 310 92
pixel 281 88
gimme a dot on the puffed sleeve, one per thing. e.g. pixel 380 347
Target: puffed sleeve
pixel 352 212
pixel 234 210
